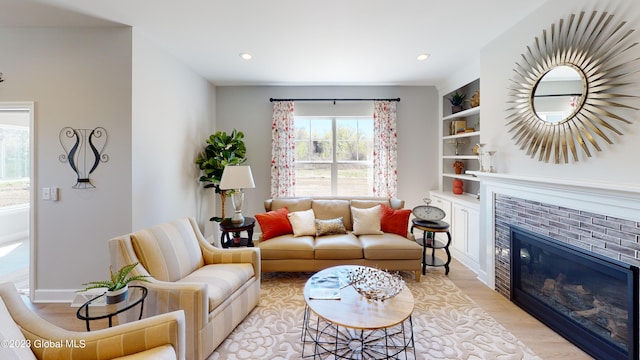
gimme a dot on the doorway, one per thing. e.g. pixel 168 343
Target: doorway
pixel 16 194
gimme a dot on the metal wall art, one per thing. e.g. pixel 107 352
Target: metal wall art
pixel 570 87
pixel 83 151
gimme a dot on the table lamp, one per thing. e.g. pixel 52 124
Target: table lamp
pixel 236 178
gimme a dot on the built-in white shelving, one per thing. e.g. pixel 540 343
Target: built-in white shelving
pixel 460 132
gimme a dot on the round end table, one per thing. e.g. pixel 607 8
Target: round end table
pixel 429 230
pixel 227 227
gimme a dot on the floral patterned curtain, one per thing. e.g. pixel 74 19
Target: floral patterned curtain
pixel 385 151
pixel 283 148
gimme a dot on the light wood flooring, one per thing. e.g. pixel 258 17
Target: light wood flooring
pixel 543 341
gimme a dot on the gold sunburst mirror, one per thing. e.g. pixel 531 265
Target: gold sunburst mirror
pixel 569 89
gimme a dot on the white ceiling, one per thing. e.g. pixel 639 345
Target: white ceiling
pixel 297 42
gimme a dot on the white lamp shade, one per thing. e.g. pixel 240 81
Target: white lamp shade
pixel 237 177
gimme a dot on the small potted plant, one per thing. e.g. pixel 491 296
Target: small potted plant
pixel 118 285
pixel 456 100
pixel 458 166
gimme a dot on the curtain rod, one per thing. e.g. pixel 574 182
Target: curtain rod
pixel 334 100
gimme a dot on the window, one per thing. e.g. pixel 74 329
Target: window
pixel 14 164
pixel 334 156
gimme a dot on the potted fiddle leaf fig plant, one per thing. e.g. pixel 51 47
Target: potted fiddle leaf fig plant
pixel 222 149
pixel 456 100
pixel 118 285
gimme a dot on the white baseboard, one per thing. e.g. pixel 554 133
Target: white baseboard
pixel 54 295
pixel 82 297
pixel 6 239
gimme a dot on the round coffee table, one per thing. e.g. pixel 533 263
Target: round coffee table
pixel 354 327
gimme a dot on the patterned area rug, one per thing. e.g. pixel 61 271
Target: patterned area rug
pixel 447 324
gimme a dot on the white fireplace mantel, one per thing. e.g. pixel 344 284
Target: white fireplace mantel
pixel 611 199
pixel 598 186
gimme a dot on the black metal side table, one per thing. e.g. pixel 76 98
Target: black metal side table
pixel 96 308
pixel 429 230
pixel 229 228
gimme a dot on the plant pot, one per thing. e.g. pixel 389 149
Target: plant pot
pixel 456 108
pixel 116 296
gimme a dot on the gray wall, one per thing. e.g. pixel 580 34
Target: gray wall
pixel 172 114
pixel 247 108
pixel 156 112
pixel 79 78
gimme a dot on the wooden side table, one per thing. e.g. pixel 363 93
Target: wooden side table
pixel 353 327
pixel 429 229
pixel 231 232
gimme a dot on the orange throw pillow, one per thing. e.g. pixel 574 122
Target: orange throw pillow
pixel 274 223
pixel 394 221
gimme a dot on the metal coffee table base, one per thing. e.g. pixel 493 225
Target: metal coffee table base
pixel 322 339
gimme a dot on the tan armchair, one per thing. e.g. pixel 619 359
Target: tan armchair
pixel 24 335
pixel 216 288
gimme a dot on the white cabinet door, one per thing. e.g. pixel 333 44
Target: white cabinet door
pixel 459 228
pixel 445 205
pixel 473 234
pixel 464 218
pixel 466 230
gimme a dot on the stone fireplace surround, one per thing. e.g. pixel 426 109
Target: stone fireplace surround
pixel 610 236
pixel 599 217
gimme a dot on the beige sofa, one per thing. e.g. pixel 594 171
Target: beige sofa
pixel 312 253
pixel 25 335
pixel 215 287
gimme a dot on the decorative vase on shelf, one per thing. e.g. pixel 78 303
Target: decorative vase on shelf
pixel 475 99
pixel 457 187
pixel 489 155
pixel 479 150
pixel 458 166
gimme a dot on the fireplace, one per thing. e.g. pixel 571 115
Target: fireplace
pixel 589 299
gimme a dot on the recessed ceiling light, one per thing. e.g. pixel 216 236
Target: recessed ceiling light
pixel 423 57
pixel 246 56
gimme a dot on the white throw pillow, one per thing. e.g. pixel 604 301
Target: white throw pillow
pixel 366 221
pixel 12 338
pixel 303 222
